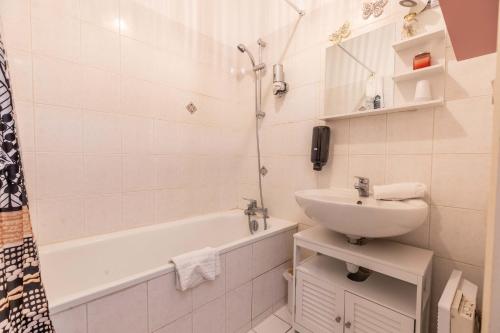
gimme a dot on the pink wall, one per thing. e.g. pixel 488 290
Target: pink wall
pixel 472 26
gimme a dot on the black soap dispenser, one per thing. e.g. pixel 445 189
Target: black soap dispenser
pixel 320 146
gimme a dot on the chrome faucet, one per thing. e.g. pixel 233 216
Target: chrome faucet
pixel 252 210
pixel 363 186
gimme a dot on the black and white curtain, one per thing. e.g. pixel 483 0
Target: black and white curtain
pixel 23 304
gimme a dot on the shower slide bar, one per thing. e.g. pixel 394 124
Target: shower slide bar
pixel 296 8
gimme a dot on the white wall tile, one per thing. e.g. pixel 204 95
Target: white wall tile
pixel 57 82
pixel 100 90
pixel 57 36
pixel 25 119
pixel 410 132
pixel 138 172
pixel 211 317
pixel 138 208
pixel 140 20
pixel 58 129
pixel 263 292
pixel 339 137
pixel 335 173
pixel 460 181
pixel 100 47
pixel 409 168
pixel 59 219
pixel 16 25
pixel 469 78
pixel 238 267
pixel 173 204
pixel 183 325
pixel 464 126
pixel 269 253
pixel 71 321
pixel 165 302
pixel 458 234
pixel 138 135
pixel 103 214
pixel 239 308
pixel 105 13
pixel 54 8
pixel 22 73
pixel 107 169
pixel 367 135
pixel 125 311
pixel 101 132
pixel 59 174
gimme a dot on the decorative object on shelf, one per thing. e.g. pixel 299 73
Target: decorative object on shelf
pixel 422 60
pixel 342 33
pixel 410 26
pixel 375 7
pixel 377 102
pixel 423 91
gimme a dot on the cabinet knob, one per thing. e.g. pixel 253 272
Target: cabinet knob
pixel 338 319
pixel 348 325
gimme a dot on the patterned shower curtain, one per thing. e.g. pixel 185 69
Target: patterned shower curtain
pixel 23 305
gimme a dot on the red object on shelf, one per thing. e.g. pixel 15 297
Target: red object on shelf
pixel 422 60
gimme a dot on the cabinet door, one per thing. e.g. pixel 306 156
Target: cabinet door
pixel 319 305
pixel 364 316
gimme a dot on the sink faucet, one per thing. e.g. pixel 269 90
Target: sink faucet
pixel 363 186
pixel 252 210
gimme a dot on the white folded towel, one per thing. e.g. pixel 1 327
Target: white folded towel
pixel 195 267
pixel 400 191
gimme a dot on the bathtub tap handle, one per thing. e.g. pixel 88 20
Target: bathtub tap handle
pixel 251 208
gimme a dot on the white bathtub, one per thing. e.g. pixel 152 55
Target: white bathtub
pixel 77 272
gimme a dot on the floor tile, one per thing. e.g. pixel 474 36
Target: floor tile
pixel 284 314
pixel 272 325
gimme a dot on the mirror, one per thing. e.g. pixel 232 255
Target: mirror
pixel 359 71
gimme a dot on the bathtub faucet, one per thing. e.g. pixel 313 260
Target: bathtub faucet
pixel 252 210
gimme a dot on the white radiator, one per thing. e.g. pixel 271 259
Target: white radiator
pixel 457 305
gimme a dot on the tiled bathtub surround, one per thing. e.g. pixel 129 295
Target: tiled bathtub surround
pixel 250 288
pixel 100 88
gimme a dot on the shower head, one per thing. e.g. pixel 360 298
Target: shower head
pixel 243 49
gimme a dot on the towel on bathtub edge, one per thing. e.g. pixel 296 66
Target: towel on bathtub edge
pixel 196 267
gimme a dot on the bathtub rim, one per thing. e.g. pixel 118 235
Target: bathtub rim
pixel 106 289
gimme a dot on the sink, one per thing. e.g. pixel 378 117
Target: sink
pixel 344 211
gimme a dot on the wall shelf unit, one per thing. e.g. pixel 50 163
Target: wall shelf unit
pixel 419 73
pixel 418 40
pixel 401 108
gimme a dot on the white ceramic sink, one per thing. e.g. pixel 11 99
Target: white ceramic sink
pixel 342 210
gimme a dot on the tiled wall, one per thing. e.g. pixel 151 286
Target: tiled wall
pixel 447 148
pixel 100 91
pixel 250 288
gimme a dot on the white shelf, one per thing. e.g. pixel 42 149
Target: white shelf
pixel 400 108
pixel 377 254
pixel 402 297
pixel 419 73
pixel 417 40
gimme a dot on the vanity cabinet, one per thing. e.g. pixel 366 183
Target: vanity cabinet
pixel 362 315
pixel 320 305
pixel 393 299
